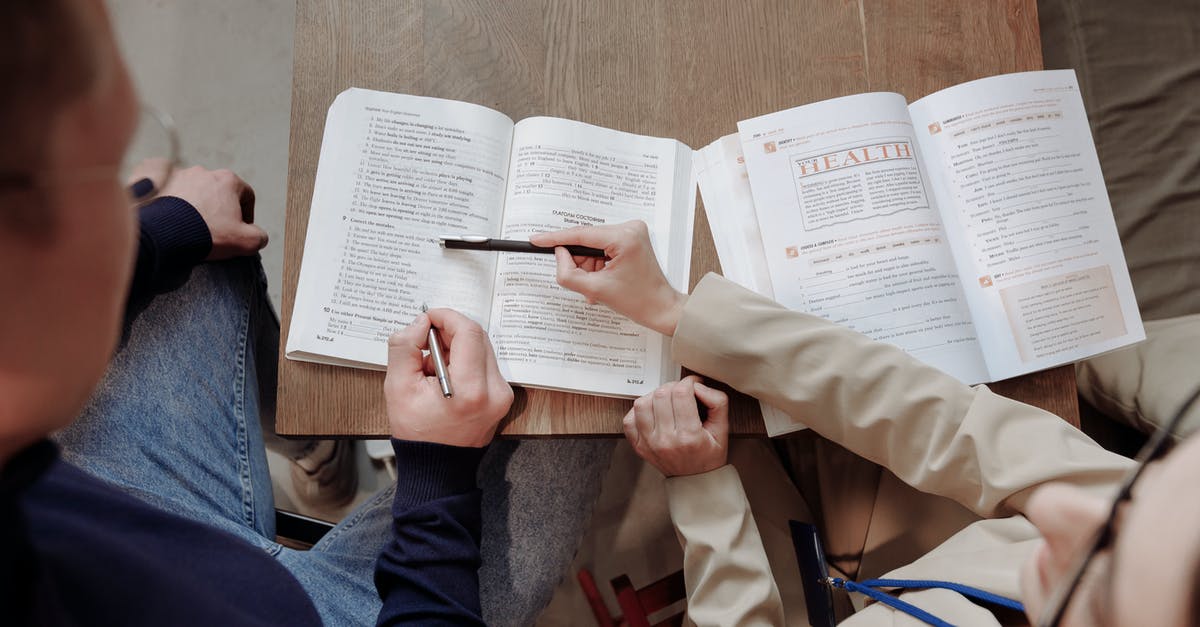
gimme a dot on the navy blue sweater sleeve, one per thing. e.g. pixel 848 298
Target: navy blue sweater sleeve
pixel 428 574
pixel 173 238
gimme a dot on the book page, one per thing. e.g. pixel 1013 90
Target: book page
pixel 728 203
pixel 565 174
pixel 850 231
pixel 395 173
pixel 1023 199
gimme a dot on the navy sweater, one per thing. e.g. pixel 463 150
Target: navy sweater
pixel 76 551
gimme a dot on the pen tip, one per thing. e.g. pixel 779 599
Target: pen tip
pixel 424 308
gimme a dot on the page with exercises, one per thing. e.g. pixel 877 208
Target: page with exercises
pixel 1023 199
pixel 395 173
pixel 850 231
pixel 565 174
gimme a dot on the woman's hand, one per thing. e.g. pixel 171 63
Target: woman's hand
pixel 665 429
pixel 629 281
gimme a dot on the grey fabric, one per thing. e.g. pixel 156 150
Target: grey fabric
pixel 1139 71
pixel 544 499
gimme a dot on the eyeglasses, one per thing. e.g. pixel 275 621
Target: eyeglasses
pixel 154 127
pixel 1155 448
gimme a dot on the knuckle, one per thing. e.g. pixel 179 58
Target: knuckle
pixel 506 396
pixel 681 392
pixel 663 392
pixel 472 397
pixel 226 178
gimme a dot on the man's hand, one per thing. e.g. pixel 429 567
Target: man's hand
pixel 226 203
pixel 416 409
pixel 629 282
pixel 664 428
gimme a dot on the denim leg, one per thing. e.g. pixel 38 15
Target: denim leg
pixel 537 504
pixel 175 420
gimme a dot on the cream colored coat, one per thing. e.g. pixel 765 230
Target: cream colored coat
pixel 985 452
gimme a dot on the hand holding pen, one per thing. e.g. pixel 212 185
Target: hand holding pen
pixel 485 243
pixel 628 280
pixel 417 406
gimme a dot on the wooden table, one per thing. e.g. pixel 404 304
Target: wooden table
pixel 683 69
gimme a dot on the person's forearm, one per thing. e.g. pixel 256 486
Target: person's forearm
pixel 933 432
pixel 726 572
pixel 172 238
pixel 427 574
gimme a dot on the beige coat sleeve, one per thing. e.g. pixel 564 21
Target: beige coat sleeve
pixel 726 573
pixel 982 450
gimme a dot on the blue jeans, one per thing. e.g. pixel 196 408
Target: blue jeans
pixel 176 422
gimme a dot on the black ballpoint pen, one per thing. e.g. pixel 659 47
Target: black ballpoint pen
pixel 482 242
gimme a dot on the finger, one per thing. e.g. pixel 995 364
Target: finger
pixel 252 237
pixel 637 437
pixel 594 236
pixel 629 426
pixel 569 275
pixel 242 189
pixel 246 200
pixel 683 404
pixel 464 340
pixel 405 357
pixel 717 403
pixel 589 264
pixel 643 416
pixel 429 369
pixel 664 411
pixel 492 366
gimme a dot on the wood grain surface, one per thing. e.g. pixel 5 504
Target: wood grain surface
pixel 685 70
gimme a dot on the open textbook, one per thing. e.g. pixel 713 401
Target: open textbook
pixel 971 228
pixel 396 172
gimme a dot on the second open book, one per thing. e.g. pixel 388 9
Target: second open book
pixel 971 228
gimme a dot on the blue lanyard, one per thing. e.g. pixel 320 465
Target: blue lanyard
pixel 871 587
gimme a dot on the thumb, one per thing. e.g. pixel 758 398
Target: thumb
pixel 252 237
pixel 569 274
pixel 717 403
pixel 405 358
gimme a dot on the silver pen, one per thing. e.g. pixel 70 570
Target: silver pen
pixel 439 360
